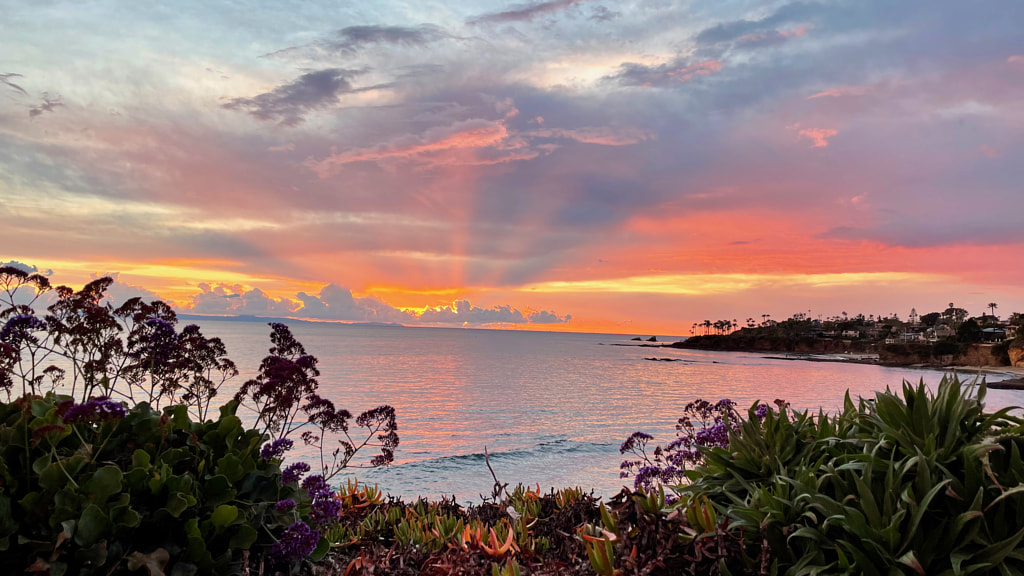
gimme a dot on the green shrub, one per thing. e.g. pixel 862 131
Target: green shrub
pixel 97 488
pixel 922 483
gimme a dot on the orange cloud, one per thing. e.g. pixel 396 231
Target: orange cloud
pixel 468 134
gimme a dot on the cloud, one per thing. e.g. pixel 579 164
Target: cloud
pixel 990 151
pixel 604 136
pixel 432 147
pixel 119 292
pixel 463 312
pixel 337 303
pixel 818 136
pixel 25 267
pixel 526 13
pixel 678 71
pixel 235 300
pixel 766 28
pixel 840 92
pixel 767 38
pixel 5 79
pixel 352 39
pixel 312 91
pixel 47 105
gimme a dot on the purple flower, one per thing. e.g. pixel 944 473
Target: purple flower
pixel 296 542
pixel 99 409
pixel 316 486
pixel 762 411
pixel 276 449
pixel 325 511
pixel 635 439
pixel 18 328
pixel 284 505
pixel 294 472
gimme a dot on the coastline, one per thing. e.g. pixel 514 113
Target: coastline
pixel 1014 374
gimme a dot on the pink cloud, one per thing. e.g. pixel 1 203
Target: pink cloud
pixel 840 91
pixel 467 134
pixel 604 136
pixel 796 32
pixel 1016 59
pixel 990 151
pixel 687 73
pixel 818 136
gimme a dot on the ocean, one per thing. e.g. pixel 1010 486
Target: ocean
pixel 550 408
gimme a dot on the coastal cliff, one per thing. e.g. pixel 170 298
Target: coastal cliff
pixel 1016 353
pixel 903 354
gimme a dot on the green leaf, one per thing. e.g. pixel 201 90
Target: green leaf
pixel 125 516
pixel 104 482
pixel 231 467
pixel 177 502
pixel 321 550
pixel 218 490
pixel 92 526
pixel 141 459
pixel 243 538
pixel 224 515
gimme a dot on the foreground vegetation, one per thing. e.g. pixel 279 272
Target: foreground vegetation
pixel 118 465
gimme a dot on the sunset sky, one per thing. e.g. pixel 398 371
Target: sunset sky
pixel 627 166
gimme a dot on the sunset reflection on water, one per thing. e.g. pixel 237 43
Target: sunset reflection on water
pixel 551 408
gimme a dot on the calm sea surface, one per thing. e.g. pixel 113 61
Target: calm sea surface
pixel 551 408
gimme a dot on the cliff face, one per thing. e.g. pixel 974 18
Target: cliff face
pixel 1016 355
pixel 977 355
pixel 892 354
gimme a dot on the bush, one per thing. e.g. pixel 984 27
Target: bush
pixel 96 487
pixel 915 484
pixel 100 486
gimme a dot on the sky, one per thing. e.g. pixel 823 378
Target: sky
pixel 587 165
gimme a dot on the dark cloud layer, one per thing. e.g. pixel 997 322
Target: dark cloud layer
pixel 352 39
pixel 288 103
pixel 526 13
pixel 5 79
pixel 47 105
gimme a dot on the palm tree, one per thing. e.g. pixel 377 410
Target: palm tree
pixel 992 306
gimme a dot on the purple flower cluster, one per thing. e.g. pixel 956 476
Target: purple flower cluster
pixel 285 505
pixel 294 472
pixel 325 510
pixel 296 542
pixel 315 485
pixel 704 425
pixel 762 411
pixel 19 327
pixel 276 449
pixel 714 435
pixel 96 410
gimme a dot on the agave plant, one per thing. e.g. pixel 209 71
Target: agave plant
pixel 915 483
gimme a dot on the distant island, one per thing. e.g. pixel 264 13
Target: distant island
pixel 947 338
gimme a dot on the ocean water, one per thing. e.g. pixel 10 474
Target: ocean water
pixel 550 408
